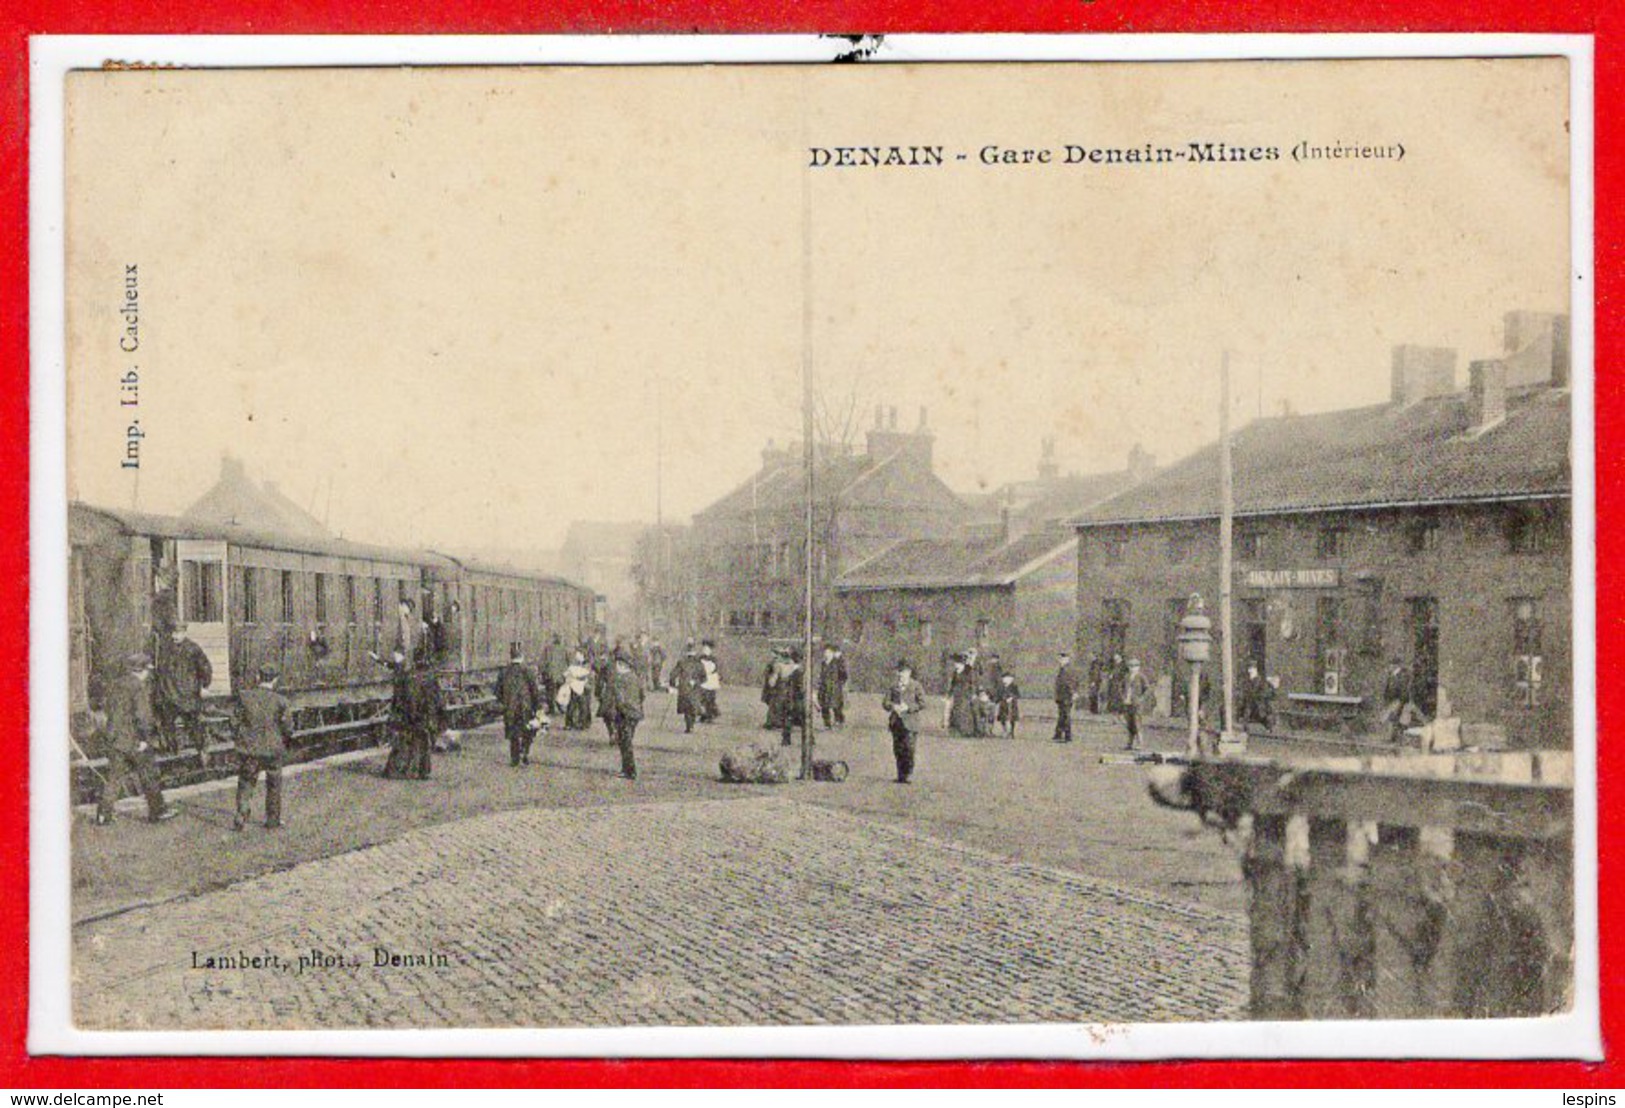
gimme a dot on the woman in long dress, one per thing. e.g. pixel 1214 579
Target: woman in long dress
pixel 576 694
pixel 962 689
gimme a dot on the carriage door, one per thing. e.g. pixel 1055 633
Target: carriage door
pixel 201 582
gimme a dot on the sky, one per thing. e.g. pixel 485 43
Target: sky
pixel 462 307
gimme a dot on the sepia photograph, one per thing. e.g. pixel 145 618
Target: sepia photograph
pixel 1047 544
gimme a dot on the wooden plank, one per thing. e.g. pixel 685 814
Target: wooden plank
pixel 1273 907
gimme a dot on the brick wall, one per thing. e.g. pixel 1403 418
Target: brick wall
pixel 1468 567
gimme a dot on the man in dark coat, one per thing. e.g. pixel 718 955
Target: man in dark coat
pixel 770 696
pixel 1399 710
pixel 425 719
pixel 903 703
pixel 1066 692
pixel 789 694
pixel 129 734
pixel 555 660
pixel 832 678
pixel 657 665
pixel 183 673
pixel 1257 698
pixel 520 697
pixel 687 676
pixel 626 700
pixel 264 727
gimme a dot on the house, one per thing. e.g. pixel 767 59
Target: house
pixel 746 553
pixel 1008 587
pixel 1432 530
pixel 236 501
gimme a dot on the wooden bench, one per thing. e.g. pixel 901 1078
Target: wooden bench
pixel 1322 712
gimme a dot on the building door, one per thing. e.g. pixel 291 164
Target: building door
pixel 203 605
pixel 1254 634
pixel 1424 614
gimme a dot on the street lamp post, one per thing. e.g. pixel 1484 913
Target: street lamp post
pixel 1195 647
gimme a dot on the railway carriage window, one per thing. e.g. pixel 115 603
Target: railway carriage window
pixel 204 591
pixel 286 613
pixel 377 600
pixel 400 591
pixel 349 599
pixel 321 597
pixel 251 595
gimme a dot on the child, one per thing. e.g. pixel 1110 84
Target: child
pixel 1009 704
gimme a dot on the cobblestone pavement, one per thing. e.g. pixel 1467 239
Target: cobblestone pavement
pixel 759 910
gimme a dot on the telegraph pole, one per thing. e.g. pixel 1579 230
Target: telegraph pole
pixel 808 462
pixel 1227 656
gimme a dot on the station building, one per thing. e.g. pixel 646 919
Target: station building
pixel 1432 531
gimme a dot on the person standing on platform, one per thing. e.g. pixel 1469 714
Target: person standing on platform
pixel 183 673
pixel 1114 676
pixel 687 675
pixel 425 719
pixel 1066 692
pixel 657 665
pixel 770 695
pixel 626 710
pixel 520 698
pixel 264 729
pixel 1257 699
pixel 710 712
pixel 903 703
pixel 1136 691
pixel 962 697
pixel 789 694
pixel 555 660
pixel 1009 704
pixel 129 743
pixel 575 694
pixel 832 679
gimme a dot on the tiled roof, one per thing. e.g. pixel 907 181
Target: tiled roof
pixel 1365 457
pixel 780 486
pixel 954 563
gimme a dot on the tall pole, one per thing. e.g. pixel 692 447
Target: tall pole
pixel 808 460
pixel 1227 640
pixel 658 599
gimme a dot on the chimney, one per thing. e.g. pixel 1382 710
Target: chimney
pixel 1141 463
pixel 1422 372
pixel 1004 522
pixel 771 455
pixel 1536 348
pixel 1047 469
pixel 1486 394
pixel 231 468
pixel 886 440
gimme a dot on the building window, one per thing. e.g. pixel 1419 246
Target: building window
pixel 984 628
pixel 1528 653
pixel 1179 549
pixel 926 632
pixel 321 598
pixel 1113 548
pixel 1114 625
pixel 1329 542
pixel 285 613
pixel 1249 545
pixel 1422 537
pixel 857 631
pixel 767 621
pixel 1530 532
pixel 251 595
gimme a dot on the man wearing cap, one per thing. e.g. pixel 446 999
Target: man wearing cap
pixel 129 742
pixel 903 703
pixel 264 726
pixel 1066 692
pixel 182 675
pixel 832 678
pixel 520 698
pixel 626 710
pixel 1136 690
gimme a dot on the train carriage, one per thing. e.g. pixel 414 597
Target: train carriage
pixel 317 609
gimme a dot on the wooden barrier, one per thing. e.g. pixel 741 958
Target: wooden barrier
pixel 1400 886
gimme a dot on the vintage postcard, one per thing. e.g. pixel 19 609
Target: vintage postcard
pixel 1068 557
